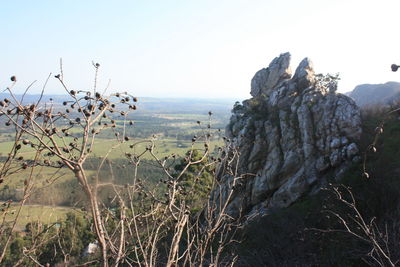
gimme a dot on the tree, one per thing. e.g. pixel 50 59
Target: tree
pixel 197 180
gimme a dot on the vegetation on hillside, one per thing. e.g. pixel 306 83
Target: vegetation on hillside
pixel 142 202
pixel 140 207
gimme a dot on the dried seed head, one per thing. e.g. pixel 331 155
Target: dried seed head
pixel 26 141
pixel 379 130
pixel 13 78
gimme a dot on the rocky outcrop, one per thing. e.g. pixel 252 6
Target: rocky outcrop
pixel 292 136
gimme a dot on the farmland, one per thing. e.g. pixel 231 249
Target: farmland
pixel 167 125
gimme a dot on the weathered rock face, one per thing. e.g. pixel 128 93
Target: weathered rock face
pixel 293 135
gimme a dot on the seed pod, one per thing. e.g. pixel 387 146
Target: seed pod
pixel 72 92
pixel 26 141
pixel 365 175
pixel 13 78
pixel 379 130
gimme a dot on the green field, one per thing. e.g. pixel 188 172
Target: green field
pixel 36 213
pixel 101 147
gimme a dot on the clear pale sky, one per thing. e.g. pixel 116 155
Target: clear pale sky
pixel 204 48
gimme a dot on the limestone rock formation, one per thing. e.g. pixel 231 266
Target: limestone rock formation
pixel 293 135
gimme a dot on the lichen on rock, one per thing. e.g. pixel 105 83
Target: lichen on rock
pixel 292 136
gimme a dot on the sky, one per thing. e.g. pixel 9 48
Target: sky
pixel 193 48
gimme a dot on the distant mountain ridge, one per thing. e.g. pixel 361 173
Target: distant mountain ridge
pixel 372 94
